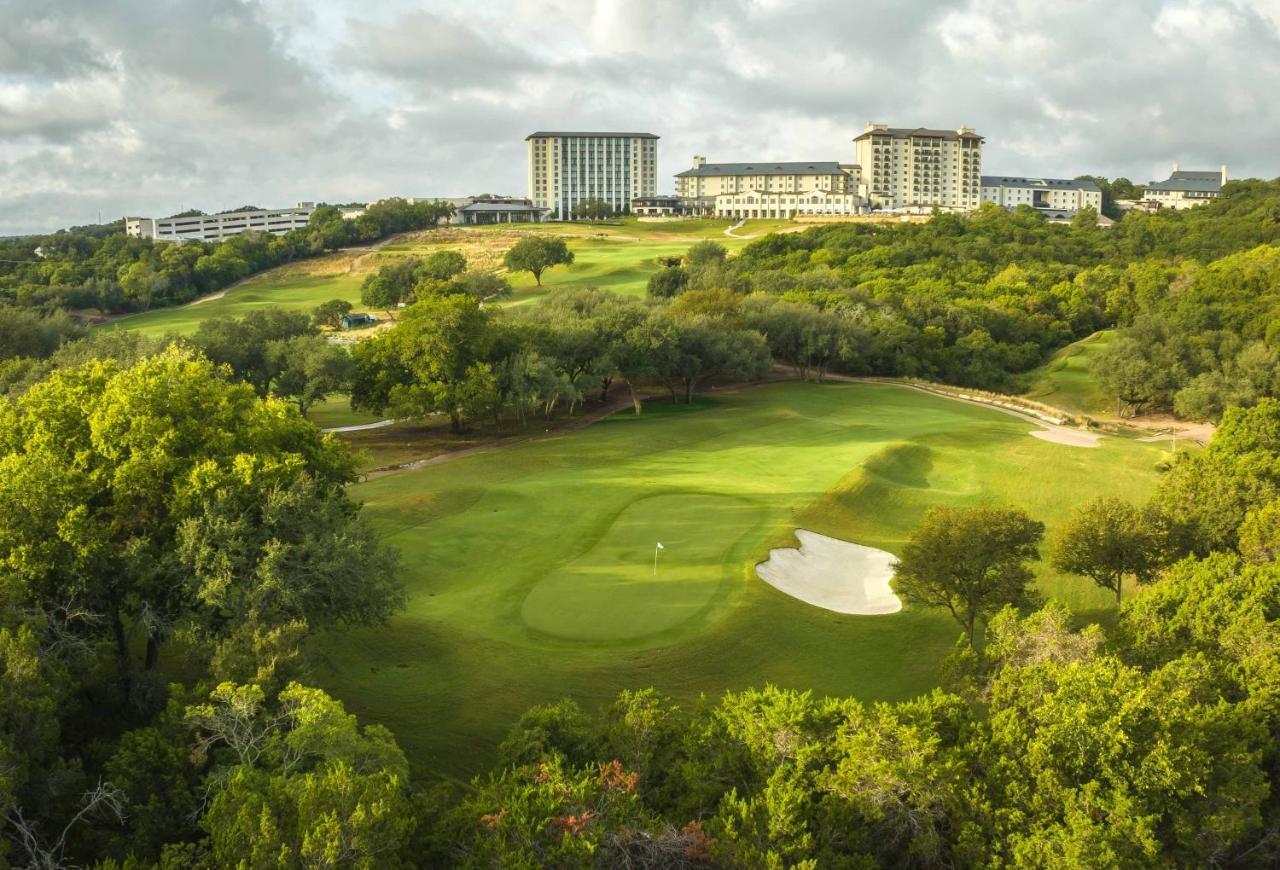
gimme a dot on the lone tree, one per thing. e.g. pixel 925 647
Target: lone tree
pixel 1107 540
pixel 972 561
pixel 593 209
pixel 536 254
pixel 330 313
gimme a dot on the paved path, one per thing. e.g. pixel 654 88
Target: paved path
pixel 729 231
pixel 360 427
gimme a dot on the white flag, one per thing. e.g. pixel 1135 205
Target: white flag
pixel 660 547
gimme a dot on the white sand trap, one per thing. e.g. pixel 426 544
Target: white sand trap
pixel 1069 437
pixel 833 574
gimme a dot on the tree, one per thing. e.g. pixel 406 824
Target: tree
pixel 297 783
pixel 1108 540
pixel 536 254
pixel 670 281
pixel 243 343
pixel 433 360
pixel 971 561
pixel 593 209
pixel 104 469
pixel 706 253
pixel 330 313
pixel 481 286
pixel 390 285
pixel 307 369
pixel 442 266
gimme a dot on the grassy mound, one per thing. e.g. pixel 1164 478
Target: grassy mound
pixel 1065 382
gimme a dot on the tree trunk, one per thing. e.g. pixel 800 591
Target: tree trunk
pixel 153 652
pixel 537 277
pixel 635 397
pixel 455 422
pixel 604 388
pixel 688 391
pixel 122 643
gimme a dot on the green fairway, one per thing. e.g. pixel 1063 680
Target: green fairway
pixel 615 256
pixel 1064 381
pixel 530 569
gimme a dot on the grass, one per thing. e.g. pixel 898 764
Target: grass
pixel 618 256
pixel 1065 382
pixel 336 411
pixel 530 569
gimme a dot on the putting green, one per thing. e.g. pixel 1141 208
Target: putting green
pixel 526 566
pixel 620 591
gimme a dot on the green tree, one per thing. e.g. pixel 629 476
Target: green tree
pixel 1108 540
pixel 298 783
pixel 442 265
pixel 592 208
pixel 244 343
pixel 482 286
pixel 330 313
pixel 307 369
pixel 433 360
pixel 536 254
pixel 101 469
pixel 970 561
pixel 668 282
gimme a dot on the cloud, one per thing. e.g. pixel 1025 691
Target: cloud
pixel 133 108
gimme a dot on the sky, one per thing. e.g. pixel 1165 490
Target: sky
pixel 109 107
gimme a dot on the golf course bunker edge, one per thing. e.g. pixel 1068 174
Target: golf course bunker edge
pixel 833 574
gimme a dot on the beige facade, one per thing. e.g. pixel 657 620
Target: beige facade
pixel 567 168
pixel 773 204
pixel 706 180
pixel 1186 188
pixel 914 169
pixel 1045 193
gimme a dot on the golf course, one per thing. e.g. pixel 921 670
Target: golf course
pixel 618 256
pixel 533 571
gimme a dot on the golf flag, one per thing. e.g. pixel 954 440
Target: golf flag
pixel 660 547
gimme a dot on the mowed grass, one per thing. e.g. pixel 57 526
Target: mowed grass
pixel 616 256
pixel 1065 382
pixel 530 569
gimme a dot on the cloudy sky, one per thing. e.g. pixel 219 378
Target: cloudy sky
pixel 115 107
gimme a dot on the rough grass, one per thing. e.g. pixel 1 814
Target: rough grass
pixel 1064 381
pixel 530 569
pixel 617 256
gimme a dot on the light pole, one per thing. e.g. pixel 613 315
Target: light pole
pixel 655 557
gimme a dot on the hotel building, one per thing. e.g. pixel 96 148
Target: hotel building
pixel 567 168
pixel 1042 193
pixel 1186 188
pixel 921 168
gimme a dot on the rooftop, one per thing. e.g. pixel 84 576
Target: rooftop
pixel 1041 183
pixel 542 134
pixel 1183 179
pixel 908 133
pixel 799 167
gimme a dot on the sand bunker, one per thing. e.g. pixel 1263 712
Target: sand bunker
pixel 1069 437
pixel 833 574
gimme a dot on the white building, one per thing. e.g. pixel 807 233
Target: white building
pixel 1059 194
pixel 567 168
pixel 774 204
pixel 919 169
pixel 799 176
pixel 213 227
pixel 1186 188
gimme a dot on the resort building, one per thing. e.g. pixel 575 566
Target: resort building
pixel 567 168
pixel 475 210
pixel 1043 193
pixel 768 204
pixel 713 179
pixel 1186 188
pixel 919 169
pixel 212 227
pixel 672 206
